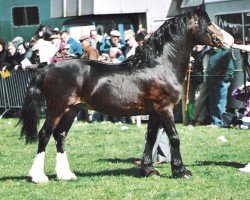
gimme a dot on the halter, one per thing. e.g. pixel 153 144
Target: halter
pixel 215 35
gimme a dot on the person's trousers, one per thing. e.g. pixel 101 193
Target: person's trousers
pixel 218 101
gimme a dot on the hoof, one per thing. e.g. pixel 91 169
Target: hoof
pixel 182 173
pixel 147 171
pixel 67 176
pixel 43 179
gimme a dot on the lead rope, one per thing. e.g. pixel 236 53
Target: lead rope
pixel 233 54
pixel 188 84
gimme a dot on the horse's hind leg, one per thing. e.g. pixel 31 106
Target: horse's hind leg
pixel 147 168
pixel 178 168
pixel 37 170
pixel 60 133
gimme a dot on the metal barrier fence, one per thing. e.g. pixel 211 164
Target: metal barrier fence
pixel 13 88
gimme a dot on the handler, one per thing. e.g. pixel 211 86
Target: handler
pixel 246 51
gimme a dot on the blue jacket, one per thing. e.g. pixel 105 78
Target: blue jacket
pixel 107 44
pixel 75 47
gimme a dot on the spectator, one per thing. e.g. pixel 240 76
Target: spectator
pixel 3 54
pixel 56 40
pixel 113 41
pixel 196 78
pixel 220 73
pixel 201 113
pixel 62 54
pixel 90 52
pixel 242 93
pixel 93 39
pixel 130 42
pixel 35 58
pixel 56 31
pixel 141 36
pixel 115 54
pixel 17 40
pixel 12 57
pixel 75 47
pixel 23 56
pixel 104 58
pixel 246 51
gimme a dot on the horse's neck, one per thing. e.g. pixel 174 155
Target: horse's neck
pixel 177 55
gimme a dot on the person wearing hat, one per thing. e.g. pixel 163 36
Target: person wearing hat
pixel 62 54
pixel 113 41
pixel 130 42
pixel 90 52
pixel 56 31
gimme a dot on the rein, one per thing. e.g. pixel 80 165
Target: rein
pixel 233 54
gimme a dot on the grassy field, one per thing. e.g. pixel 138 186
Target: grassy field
pixel 102 155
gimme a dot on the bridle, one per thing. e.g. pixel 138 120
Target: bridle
pixel 215 37
pixel 215 34
pixel 221 42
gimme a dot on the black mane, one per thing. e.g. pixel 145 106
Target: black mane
pixel 172 30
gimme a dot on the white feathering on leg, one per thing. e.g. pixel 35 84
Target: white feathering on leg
pixel 63 171
pixel 37 170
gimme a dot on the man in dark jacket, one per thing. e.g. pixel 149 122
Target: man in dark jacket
pixel 220 74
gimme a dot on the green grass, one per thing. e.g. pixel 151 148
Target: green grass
pixel 102 157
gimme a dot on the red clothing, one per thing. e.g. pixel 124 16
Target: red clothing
pixel 59 57
pixel 242 96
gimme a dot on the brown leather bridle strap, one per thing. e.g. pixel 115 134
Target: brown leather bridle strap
pixel 215 34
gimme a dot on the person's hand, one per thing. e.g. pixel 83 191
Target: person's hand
pixel 242 47
pixel 4 68
pixel 16 67
pixel 23 67
pixel 191 59
pixel 242 86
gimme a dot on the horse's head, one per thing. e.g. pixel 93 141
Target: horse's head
pixel 220 37
pixel 209 33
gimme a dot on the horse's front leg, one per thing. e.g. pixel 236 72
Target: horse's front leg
pixel 63 171
pixel 147 168
pixel 178 168
pixel 37 170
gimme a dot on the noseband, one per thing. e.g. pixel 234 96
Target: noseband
pixel 215 35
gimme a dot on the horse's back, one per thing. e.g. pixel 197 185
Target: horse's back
pixel 71 64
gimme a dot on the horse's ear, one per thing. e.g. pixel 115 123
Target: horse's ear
pixel 201 7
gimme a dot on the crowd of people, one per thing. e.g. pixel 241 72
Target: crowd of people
pixel 19 54
pixel 211 73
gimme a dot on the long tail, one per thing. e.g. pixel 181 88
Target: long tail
pixel 29 116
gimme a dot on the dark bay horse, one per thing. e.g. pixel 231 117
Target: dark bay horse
pixel 150 83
